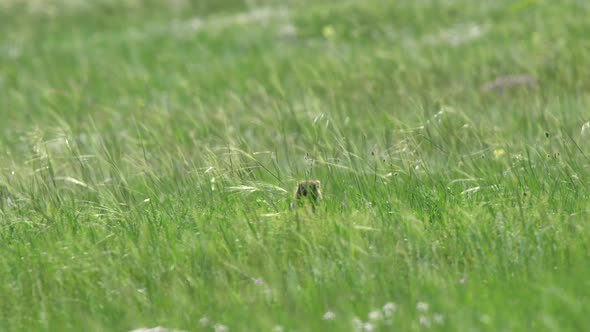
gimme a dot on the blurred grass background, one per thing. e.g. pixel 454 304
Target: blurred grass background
pixel 149 150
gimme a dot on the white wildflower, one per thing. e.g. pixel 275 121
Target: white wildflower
pixel 585 129
pixel 204 321
pixel 422 306
pixel 424 321
pixel 368 327
pixel 155 329
pixel 389 308
pixel 220 328
pixel 329 315
pixel 438 318
pixel 375 315
pixel 357 324
pixel 277 328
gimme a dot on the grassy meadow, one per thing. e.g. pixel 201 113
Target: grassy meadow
pixel 149 151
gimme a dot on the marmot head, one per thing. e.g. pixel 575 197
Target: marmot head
pixel 310 189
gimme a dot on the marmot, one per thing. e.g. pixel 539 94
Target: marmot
pixel 310 189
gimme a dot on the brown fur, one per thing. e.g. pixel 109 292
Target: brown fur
pixel 310 189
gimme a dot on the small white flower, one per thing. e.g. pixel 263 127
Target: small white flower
pixel 329 315
pixel 368 327
pixel 155 329
pixel 438 318
pixel 585 129
pixel 204 321
pixel 357 324
pixel 388 309
pixel 424 321
pixel 277 328
pixel 220 328
pixel 375 315
pixel 422 306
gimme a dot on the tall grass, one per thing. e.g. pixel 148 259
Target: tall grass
pixel 149 154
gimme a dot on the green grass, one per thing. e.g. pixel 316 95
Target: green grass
pixel 149 152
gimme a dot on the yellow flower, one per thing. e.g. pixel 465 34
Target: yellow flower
pixel 499 153
pixel 328 31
